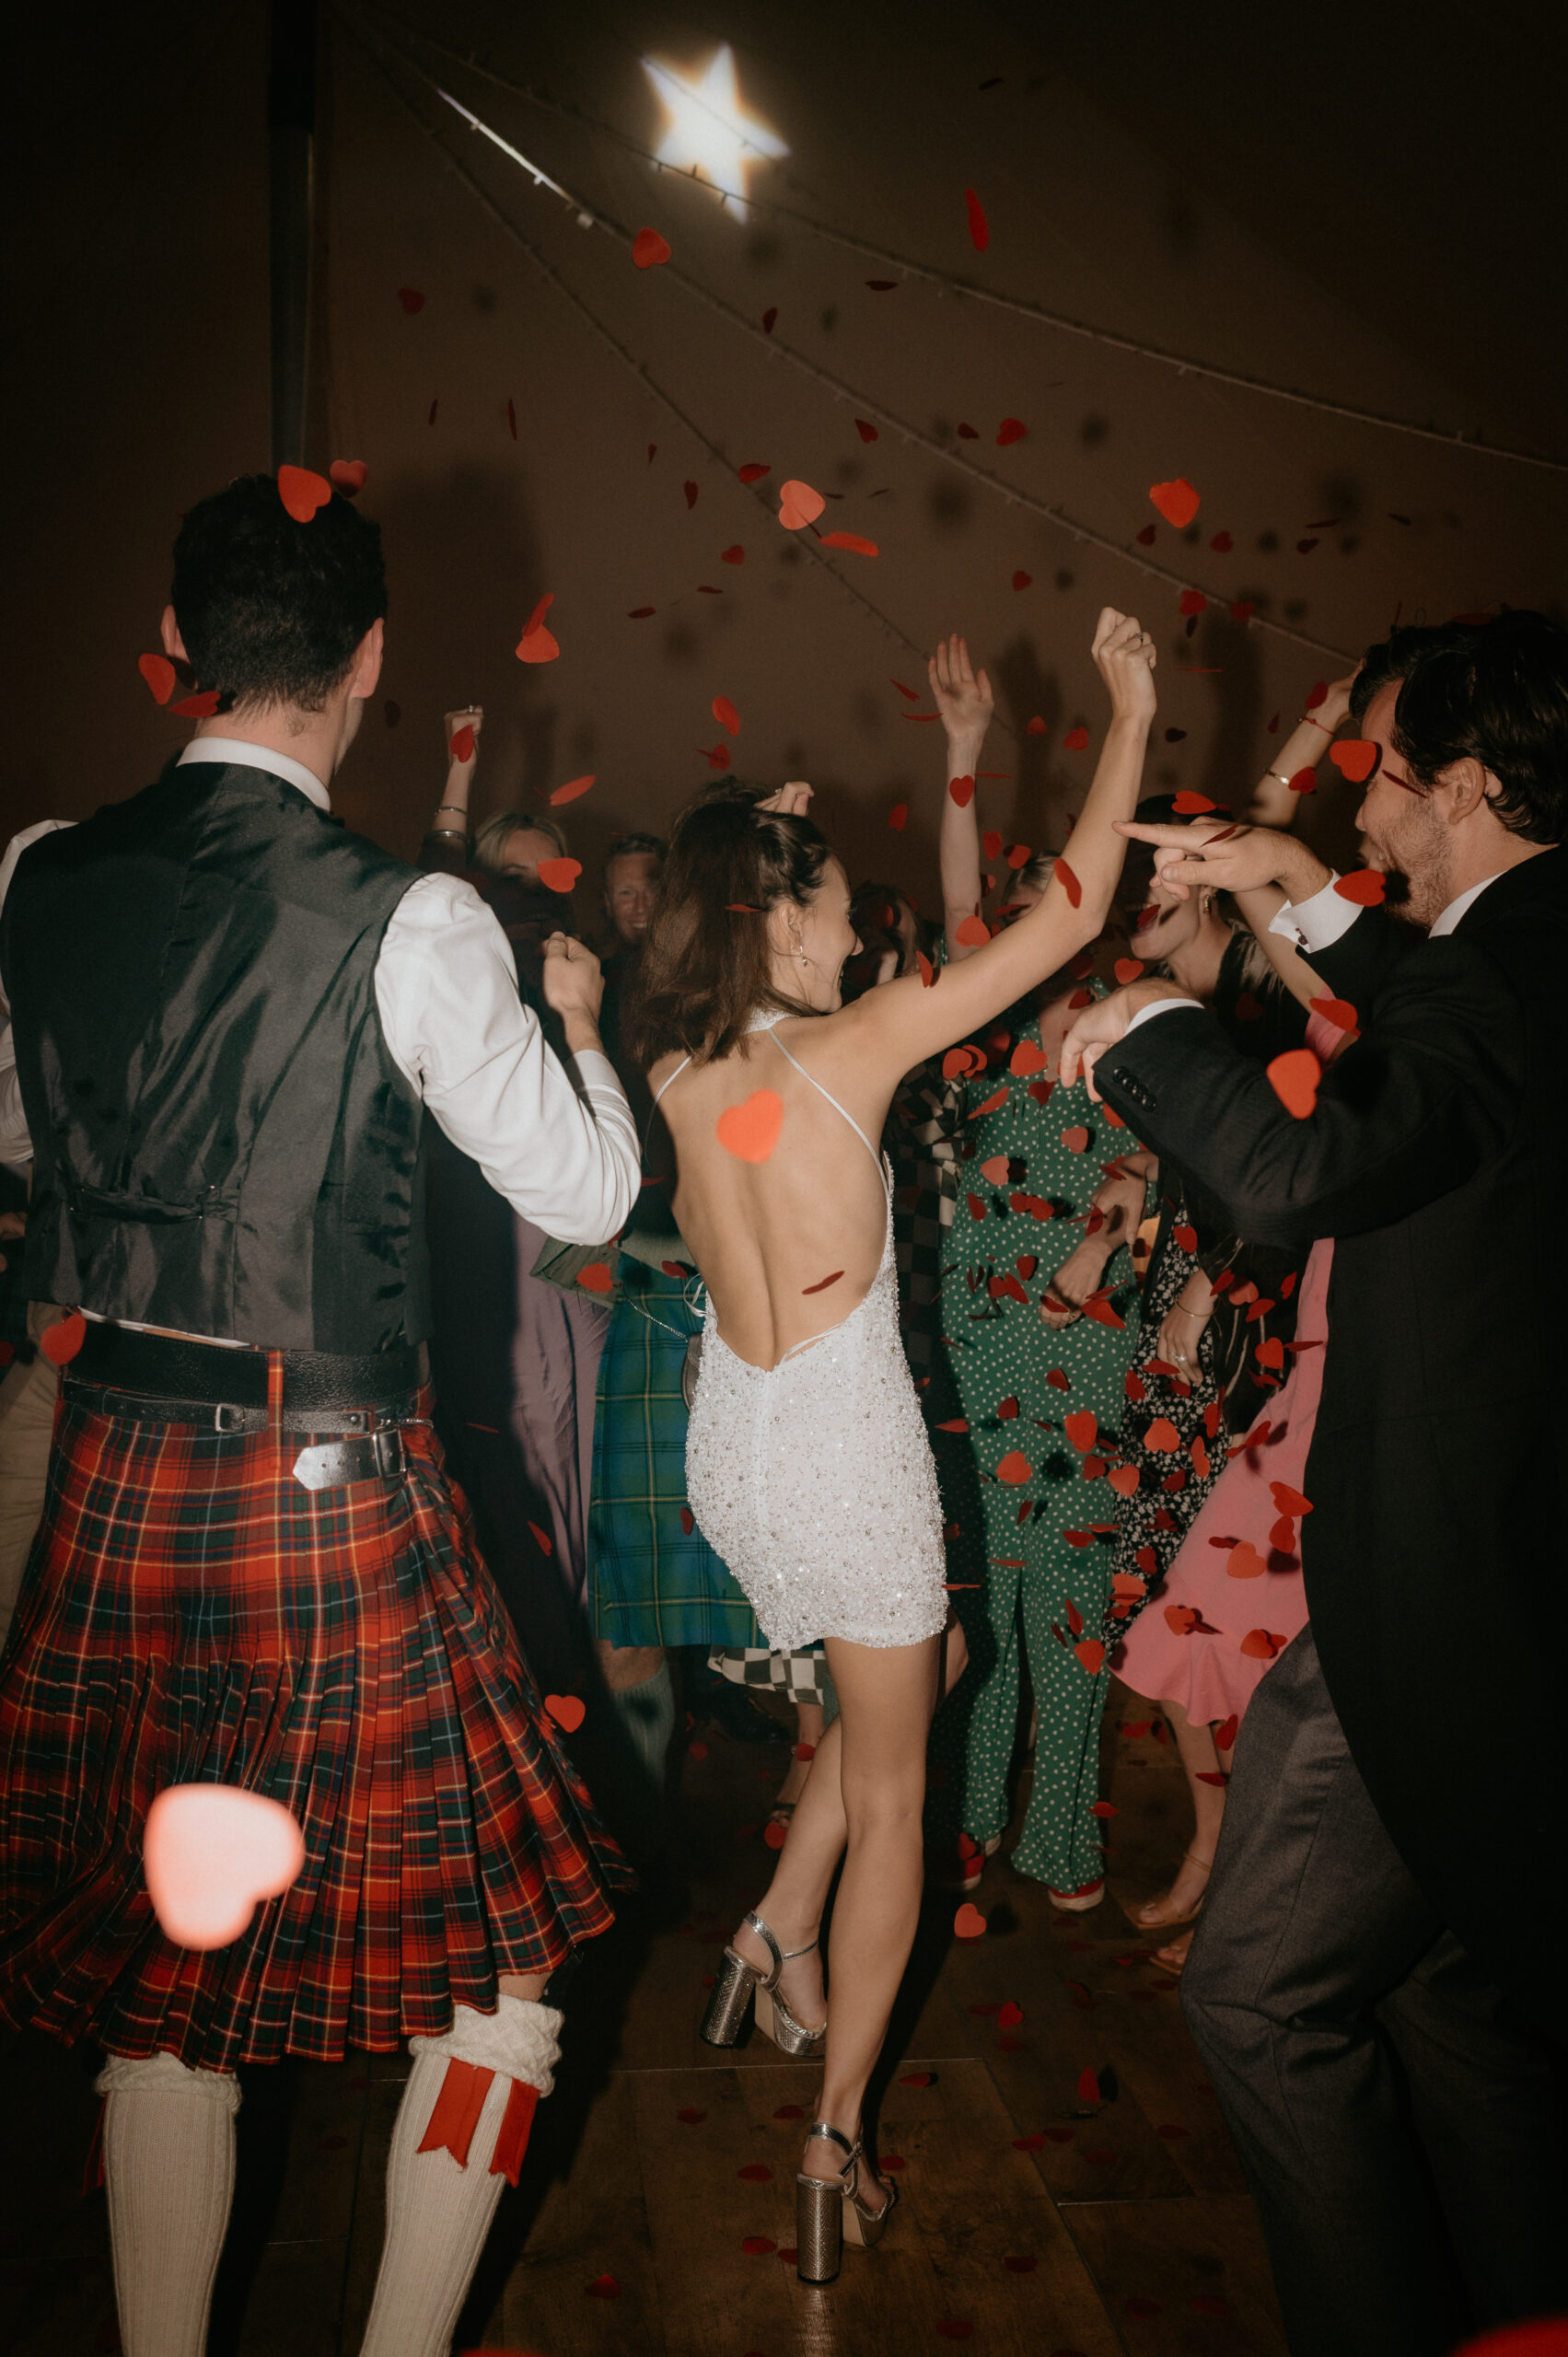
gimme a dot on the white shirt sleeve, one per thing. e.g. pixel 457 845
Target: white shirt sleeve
pixel 1319 922
pixel 16 1145
pixel 1159 1006
pixel 446 993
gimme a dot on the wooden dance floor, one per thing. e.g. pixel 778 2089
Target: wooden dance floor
pixel 657 2198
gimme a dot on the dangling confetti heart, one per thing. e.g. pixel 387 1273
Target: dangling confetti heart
pixel 1244 1562
pixel 1259 1645
pixel 969 1924
pixel 349 475
pixel 851 540
pixel 558 875
pixel 1014 1468
pixel 648 250
pixel 160 676
pixel 1075 739
pixel 898 817
pixel 980 229
pixel 1089 2087
pixel 1191 806
pixel 1337 1011
pixel 1022 580
pixel 1069 883
pixel 1162 1436
pixel 1355 758
pixel 1181 1620
pixel 751 1130
pixel 411 299
pixel 302 491
pixel 798 505
pixel 823 1283
pixel 596 1277
pixel 865 430
pixel 754 470
pixel 1365 886
pixel 1076 1139
pixel 1082 1427
pixel 572 789
pixel 972 932
pixel 962 791
pixel 60 1341
pixel 568 1711
pixel 1091 1654
pixel 727 715
pixel 460 746
pixel 1177 501
pixel 537 644
pixel 1304 781
pixel 603 2287
pixel 542 1539
pixel 198 707
pixel 1012 429
pixel 210 1852
pixel 1294 1078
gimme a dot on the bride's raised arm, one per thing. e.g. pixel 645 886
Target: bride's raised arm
pixel 908 1021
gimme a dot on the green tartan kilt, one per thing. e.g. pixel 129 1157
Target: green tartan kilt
pixel 655 1581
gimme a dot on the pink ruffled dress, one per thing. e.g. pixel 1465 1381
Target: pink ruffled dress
pixel 1233 1595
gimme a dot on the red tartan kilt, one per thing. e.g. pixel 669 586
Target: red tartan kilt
pixel 191 1614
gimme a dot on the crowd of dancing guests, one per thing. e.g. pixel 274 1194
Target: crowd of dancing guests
pixel 869 1321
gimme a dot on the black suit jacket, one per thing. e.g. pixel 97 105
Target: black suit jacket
pixel 1435 1556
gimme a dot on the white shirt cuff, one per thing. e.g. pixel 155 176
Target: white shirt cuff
pixel 1159 1006
pixel 1319 922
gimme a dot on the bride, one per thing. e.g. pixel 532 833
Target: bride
pixel 807 1465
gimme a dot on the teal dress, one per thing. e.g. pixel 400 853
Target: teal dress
pixel 1030 1548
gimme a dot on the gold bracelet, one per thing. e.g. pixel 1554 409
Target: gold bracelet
pixel 1281 775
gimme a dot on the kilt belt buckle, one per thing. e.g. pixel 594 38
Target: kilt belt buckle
pixel 333 1463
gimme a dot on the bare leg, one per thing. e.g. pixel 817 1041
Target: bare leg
pixel 1199 1759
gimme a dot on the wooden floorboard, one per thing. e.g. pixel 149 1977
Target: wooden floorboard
pixel 1039 2215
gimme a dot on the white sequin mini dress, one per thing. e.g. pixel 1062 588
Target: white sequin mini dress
pixel 814 1479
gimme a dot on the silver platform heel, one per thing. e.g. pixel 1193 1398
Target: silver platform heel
pixel 828 2211
pixel 740 1984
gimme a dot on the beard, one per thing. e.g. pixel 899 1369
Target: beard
pixel 1419 866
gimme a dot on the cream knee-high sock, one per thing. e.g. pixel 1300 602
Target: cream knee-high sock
pixel 438 2209
pixel 168 2168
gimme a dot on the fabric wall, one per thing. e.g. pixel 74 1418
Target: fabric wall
pixel 1313 202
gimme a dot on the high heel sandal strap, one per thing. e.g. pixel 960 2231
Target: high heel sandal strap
pixel 781 1956
pixel 830 2135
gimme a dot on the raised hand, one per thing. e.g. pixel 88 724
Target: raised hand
pixel 962 695
pixel 471 716
pixel 574 986
pixel 792 801
pixel 1215 855
pixel 1104 1024
pixel 1124 655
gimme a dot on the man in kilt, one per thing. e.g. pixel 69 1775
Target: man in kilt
pixel 229 1017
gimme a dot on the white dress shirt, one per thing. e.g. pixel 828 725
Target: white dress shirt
pixel 446 994
pixel 1319 922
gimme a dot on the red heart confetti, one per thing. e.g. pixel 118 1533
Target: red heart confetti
pixel 1177 501
pixel 823 1283
pixel 852 540
pixel 754 470
pixel 60 1341
pixel 1355 758
pixel 1181 1619
pixel 1191 806
pixel 1304 781
pixel 790 2111
pixel 302 491
pixel 648 250
pixel 1010 2015
pixel 1012 429
pixel 798 505
pixel 1244 1562
pixel 980 229
pixel 1082 1426
pixel 537 644
pixel 1075 739
pixel 1365 886
pixel 542 1539
pixel 461 744
pixel 1076 1139
pixel 1089 2087
pixel 756 2173
pixel 920 2078
pixel 727 715
pixel 735 555
pixel 1014 1468
pixel 558 875
pixel 688 1521
pixel 1192 601
pixel 568 1711
pixel 1225 1734
pixel 411 299
pixel 1127 970
pixel 1294 1078
pixel 972 932
pixel 1091 1654
pixel 349 476
pixel 198 707
pixel 1069 883
pixel 969 1924
pixel 571 790
pixel 898 817
pixel 758 2245
pixel 962 791
pixel 751 1130
pixel 1023 580
pixel 691 2117
pixel 160 674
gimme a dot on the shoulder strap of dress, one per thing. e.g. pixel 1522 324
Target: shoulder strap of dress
pixel 833 1101
pixel 667 1078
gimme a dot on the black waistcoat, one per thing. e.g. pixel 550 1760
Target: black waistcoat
pixel 222 1140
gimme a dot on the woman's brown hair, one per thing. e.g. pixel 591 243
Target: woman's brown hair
pixel 705 967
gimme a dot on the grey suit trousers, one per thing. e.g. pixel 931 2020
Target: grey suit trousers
pixel 1402 2128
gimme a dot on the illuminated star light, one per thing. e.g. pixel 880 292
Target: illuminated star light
pixel 708 132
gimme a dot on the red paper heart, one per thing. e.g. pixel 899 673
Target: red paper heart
pixel 1089 2087
pixel 537 644
pixel 211 1853
pixel 994 1166
pixel 751 1130
pixel 798 505
pixel 1225 1734
pixel 1304 781
pixel 1191 806
pixel 1123 1480
pixel 1259 1645
pixel 823 1283
pixel 558 875
pixel 962 791
pixel 302 491
pixel 1192 601
pixel 349 475
pixel 160 674
pixel 411 299
pixel 972 932
pixel 1082 1426
pixel 1221 543
pixel 754 470
pixel 852 540
pixel 1012 429
pixel 542 1539
pixel 1127 970
pixel 979 229
pixel 775 1835
pixel 572 789
pixel 1294 1078
pixel 1014 1468
pixel 1027 1058
pixel 1355 758
pixel 603 2287
pixel 1075 739
pixel 568 1711
pixel 648 250
pixel 1010 2015
pixel 1076 1139
pixel 1023 580
pixel 1036 727
pixel 1365 886
pixel 969 1924
pixel 1244 1562
pixel 1162 1435
pixel 1091 1654
pixel 1337 1011
pixel 198 707
pixel 898 816
pixel 727 715
pixel 1243 610
pixel 461 744
pixel 1069 883
pixel 1177 501
pixel 60 1341
pixel 1181 1619
pixel 596 1277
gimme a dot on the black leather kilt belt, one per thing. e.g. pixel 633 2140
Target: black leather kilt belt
pixel 345 1411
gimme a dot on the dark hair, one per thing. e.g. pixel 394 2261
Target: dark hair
pixel 1494 692
pixel 874 913
pixel 270 611
pixel 633 846
pixel 705 966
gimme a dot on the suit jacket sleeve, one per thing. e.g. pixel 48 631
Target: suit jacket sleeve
pixel 1428 1093
pixel 1365 958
